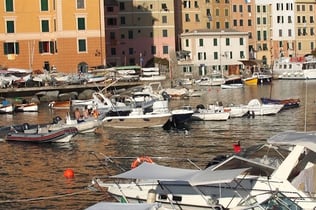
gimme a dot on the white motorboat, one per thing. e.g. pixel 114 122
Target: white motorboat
pixel 88 125
pixel 137 119
pixel 256 107
pixel 236 110
pixel 211 113
pixel 238 182
pixel 26 107
pixel 295 68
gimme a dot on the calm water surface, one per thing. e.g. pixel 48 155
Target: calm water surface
pixel 31 175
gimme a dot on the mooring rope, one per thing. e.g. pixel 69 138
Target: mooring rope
pixel 44 198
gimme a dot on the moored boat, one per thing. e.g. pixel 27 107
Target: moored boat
pixel 211 113
pixel 253 80
pixel 26 107
pixel 288 103
pixel 42 135
pixel 59 104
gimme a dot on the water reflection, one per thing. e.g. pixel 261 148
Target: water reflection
pixel 36 170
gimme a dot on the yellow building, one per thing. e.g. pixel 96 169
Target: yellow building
pixel 38 34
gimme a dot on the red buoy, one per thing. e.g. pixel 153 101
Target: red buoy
pixel 69 173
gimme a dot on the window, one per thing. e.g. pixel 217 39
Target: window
pixel 258 35
pixel 187 18
pixel 113 51
pixel 197 19
pixel 122 6
pixel 265 36
pixel 234 8
pixel 258 8
pixel 47 47
pixel 226 25
pixel 164 19
pixel 165 50
pixel 45 25
pixel 131 51
pixel 165 33
pixel 123 22
pixel 201 42
pixel 44 5
pixel 130 34
pixel 11 48
pixel 80 4
pixel 240 9
pixel 241 22
pixel 299 46
pixel 9 5
pixel 258 20
pixel 264 9
pixel 215 55
pixel 241 41
pixel 215 42
pixel 280 32
pixel 187 43
pixel 249 8
pixel 186 4
pixel 265 46
pixel 81 23
pixel 249 22
pixel 10 26
pixel 164 7
pixel 289 33
pixel 227 41
pixel 153 50
pixel 112 35
pixel 235 22
pixel 218 25
pixel 311 19
pixel 82 45
pixel 111 21
pixel 242 54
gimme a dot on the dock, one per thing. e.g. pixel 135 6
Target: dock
pixel 31 91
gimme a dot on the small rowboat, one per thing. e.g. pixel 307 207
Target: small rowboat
pixel 26 107
pixel 42 135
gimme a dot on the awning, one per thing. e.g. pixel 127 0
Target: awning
pixel 251 62
pixel 306 139
pixel 194 177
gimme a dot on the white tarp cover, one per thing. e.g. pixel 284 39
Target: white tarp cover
pixel 305 139
pixel 194 177
pixel 122 206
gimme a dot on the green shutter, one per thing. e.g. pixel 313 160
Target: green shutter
pixel 40 46
pixel 52 47
pixel 81 24
pixel 17 48
pixel 82 45
pixel 45 26
pixel 10 26
pixel 5 48
pixel 44 5
pixel 9 5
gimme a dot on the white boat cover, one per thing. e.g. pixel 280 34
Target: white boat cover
pixel 305 139
pixel 194 177
pixel 123 206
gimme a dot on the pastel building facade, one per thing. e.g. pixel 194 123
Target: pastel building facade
pixel 138 31
pixel 41 34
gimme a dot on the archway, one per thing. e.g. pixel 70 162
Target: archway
pixel 83 67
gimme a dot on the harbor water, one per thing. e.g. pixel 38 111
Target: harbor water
pixel 32 175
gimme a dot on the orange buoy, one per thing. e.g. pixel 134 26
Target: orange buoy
pixel 69 173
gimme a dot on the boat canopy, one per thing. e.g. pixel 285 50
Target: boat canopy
pixel 123 206
pixel 305 139
pixel 194 177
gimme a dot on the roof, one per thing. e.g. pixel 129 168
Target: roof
pixel 193 177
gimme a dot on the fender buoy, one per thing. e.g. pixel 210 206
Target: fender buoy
pixel 140 160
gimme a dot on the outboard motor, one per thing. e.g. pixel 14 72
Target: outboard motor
pixel 56 119
pixel 26 126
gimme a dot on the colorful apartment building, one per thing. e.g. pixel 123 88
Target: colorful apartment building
pixel 42 34
pixel 138 31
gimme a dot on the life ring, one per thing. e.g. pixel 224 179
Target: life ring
pixel 140 160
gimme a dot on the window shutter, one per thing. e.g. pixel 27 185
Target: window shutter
pixel 52 47
pixel 17 48
pixel 40 45
pixel 5 48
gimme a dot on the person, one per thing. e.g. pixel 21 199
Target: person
pixel 85 112
pixel 78 115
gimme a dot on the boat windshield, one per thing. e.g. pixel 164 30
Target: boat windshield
pixel 273 200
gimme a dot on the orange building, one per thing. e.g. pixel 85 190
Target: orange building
pixel 41 34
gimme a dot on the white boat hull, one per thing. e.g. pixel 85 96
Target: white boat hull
pixel 218 116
